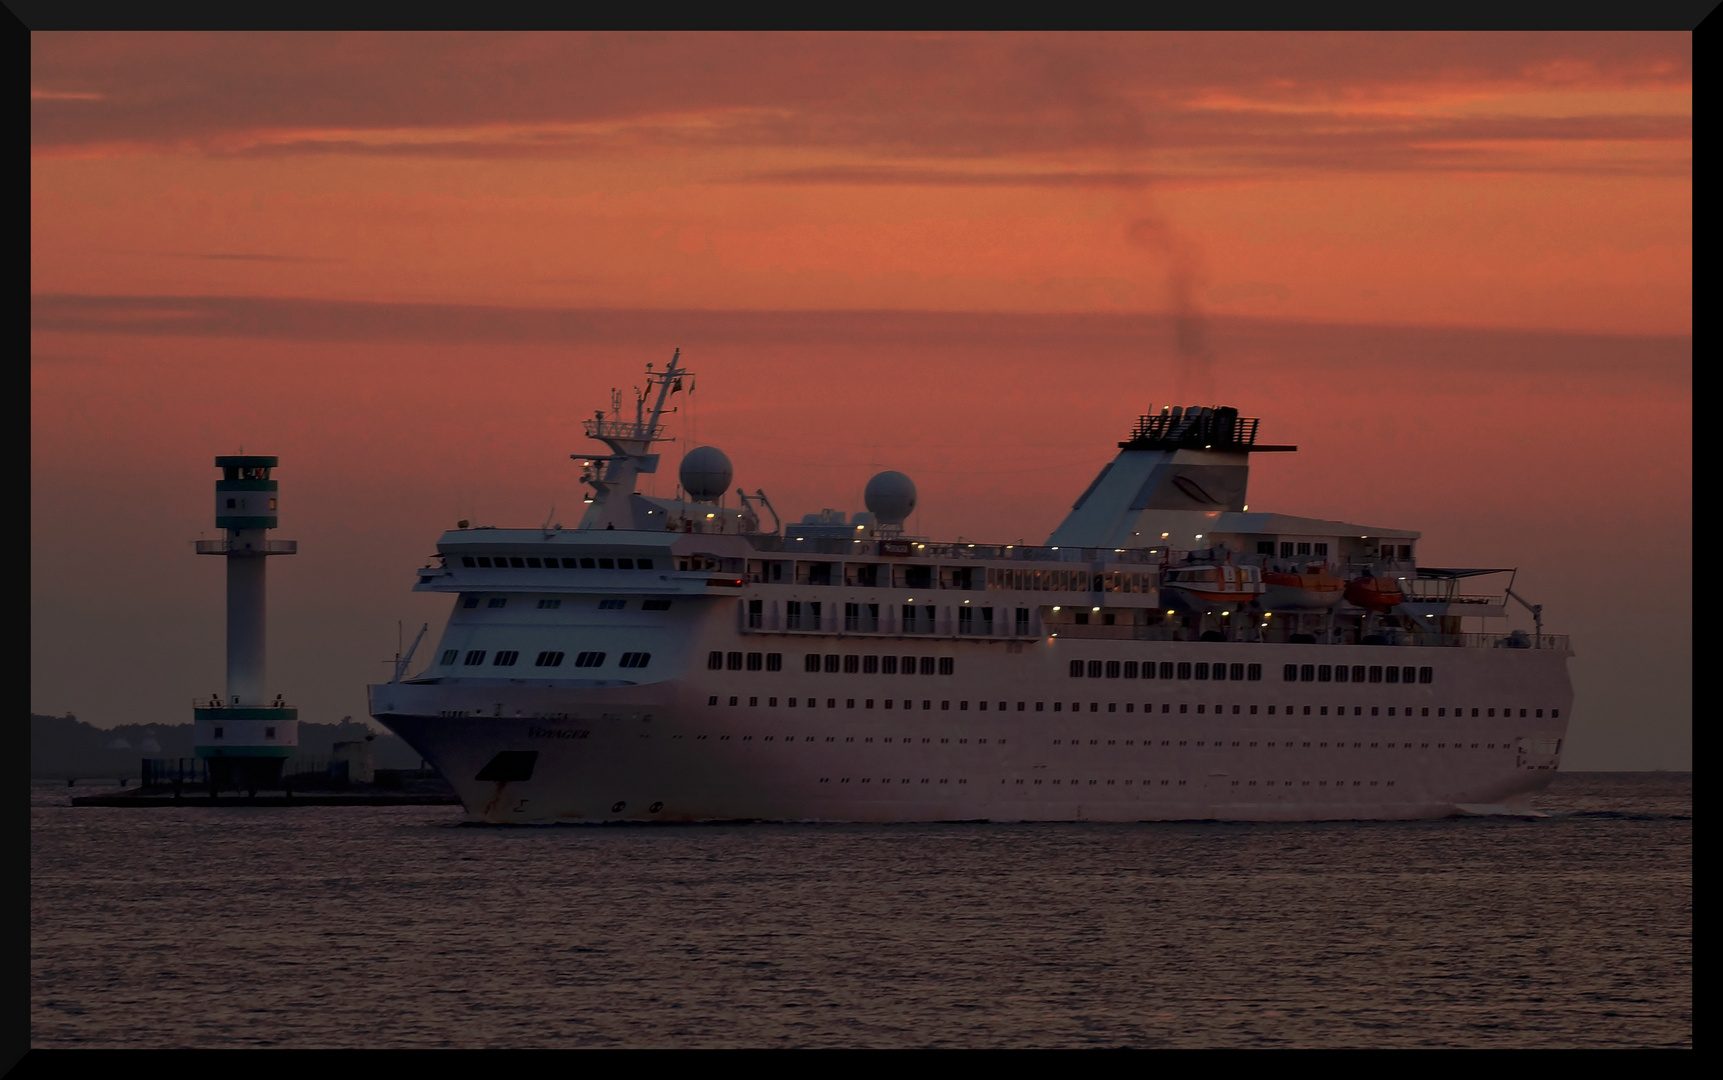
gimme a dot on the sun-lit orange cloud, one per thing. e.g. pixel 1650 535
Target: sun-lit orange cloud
pixel 1491 180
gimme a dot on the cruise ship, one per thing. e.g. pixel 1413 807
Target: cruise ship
pixel 1168 654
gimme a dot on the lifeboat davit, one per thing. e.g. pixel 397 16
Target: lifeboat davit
pixel 1374 593
pixel 1316 590
pixel 1217 584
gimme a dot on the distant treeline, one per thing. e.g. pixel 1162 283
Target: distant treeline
pixel 65 747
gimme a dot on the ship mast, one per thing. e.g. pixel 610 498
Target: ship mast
pixel 612 476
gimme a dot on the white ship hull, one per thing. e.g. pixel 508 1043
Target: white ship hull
pixel 660 752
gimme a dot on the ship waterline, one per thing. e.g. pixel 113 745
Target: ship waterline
pixel 671 660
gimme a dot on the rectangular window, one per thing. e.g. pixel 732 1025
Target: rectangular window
pixel 1408 674
pixel 1202 671
pixel 1286 549
pixel 475 657
pixel 269 732
pixel 947 665
pixel 497 601
pixel 927 665
pixel 517 562
pixel 218 732
pixel 1184 671
pixel 450 656
pixel 588 563
pixel 888 665
pixel 870 665
pixel 1094 669
pixel 986 620
pixel 612 605
pixel 654 605
pixel 1081 618
pixel 1112 669
pixel 756 616
pixel 1130 669
pixel 756 661
pixel 1303 548
pixel 607 564
pixel 1022 621
pixel 550 603
pixel 965 620
pixel 714 661
pixel 774 661
pixel 506 658
pixel 534 563
pixel 1265 547
pixel 625 564
pixel 1324 673
pixel 467 560
pixel 733 661
pixel 832 662
pixel 569 563
pixel 1253 672
pixel 643 564
pixel 589 659
pixel 1289 673
pixel 548 659
pixel 1340 672
pixel 1426 675
pixel 484 560
pixel 852 664
pixel 1148 669
pixel 1393 674
pixel 1237 672
pixel 1307 672
pixel 1322 549
pixel 1375 674
pixel 640 660
pixel 1219 672
pixel 811 662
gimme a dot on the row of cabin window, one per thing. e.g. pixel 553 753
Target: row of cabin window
pixel 1148 708
pixel 1357 673
pixel 1130 669
pixel 533 562
pixel 719 661
pixel 556 602
pixel 834 663
pixel 509 657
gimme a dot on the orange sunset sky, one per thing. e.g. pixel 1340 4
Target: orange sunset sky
pixel 1455 269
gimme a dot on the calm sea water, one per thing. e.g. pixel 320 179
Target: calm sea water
pixel 400 927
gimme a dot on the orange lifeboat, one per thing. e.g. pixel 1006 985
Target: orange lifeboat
pixel 1314 590
pixel 1373 593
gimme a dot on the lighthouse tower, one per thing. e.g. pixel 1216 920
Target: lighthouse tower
pixel 248 737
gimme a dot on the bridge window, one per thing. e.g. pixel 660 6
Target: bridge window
pixel 548 659
pixel 498 601
pixel 654 605
pixel 506 658
pixel 589 659
pixel 640 660
pixel 450 656
pixel 612 605
pixel 476 657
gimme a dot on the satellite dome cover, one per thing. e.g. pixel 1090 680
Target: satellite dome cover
pixel 891 497
pixel 705 474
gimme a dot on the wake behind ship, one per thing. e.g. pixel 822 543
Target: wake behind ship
pixel 1168 654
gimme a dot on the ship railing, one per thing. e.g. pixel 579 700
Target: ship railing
pixel 622 429
pixel 961 550
pixel 266 547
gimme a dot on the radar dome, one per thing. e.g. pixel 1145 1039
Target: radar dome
pixel 891 497
pixel 705 474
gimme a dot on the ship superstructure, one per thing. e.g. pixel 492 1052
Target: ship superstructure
pixel 1168 654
